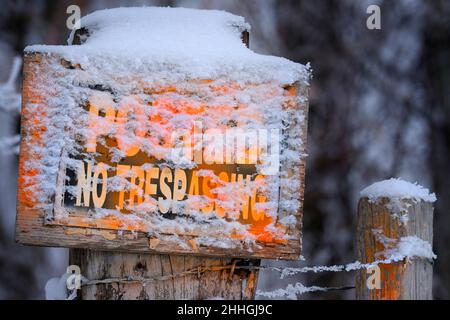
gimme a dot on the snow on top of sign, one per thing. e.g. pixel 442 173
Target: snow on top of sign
pixel 189 43
pixel 396 190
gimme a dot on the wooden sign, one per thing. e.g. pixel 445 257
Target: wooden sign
pixel 171 168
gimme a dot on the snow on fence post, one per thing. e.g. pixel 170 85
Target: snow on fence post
pixel 395 226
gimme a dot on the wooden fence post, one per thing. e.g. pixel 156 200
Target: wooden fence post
pixel 127 276
pixel 410 279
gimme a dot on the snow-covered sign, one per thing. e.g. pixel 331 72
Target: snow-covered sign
pixel 162 132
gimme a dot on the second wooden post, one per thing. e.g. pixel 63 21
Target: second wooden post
pixel 400 228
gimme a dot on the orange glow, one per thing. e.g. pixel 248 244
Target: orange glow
pixel 167 105
pixel 104 116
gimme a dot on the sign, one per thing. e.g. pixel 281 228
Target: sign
pixel 196 167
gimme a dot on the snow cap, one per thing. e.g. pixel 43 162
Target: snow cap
pixel 190 43
pixel 396 188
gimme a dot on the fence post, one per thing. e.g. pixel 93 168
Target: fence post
pixel 126 276
pixel 410 279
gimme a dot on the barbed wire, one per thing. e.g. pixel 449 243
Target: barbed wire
pixel 285 271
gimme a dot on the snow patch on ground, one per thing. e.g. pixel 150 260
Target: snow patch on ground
pixel 56 288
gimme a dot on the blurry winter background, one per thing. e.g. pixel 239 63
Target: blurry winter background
pixel 380 108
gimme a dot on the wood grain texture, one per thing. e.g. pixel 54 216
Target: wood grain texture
pixel 228 284
pixel 405 280
pixel 102 234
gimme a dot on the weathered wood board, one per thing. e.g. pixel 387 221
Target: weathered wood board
pixel 64 211
pixel 173 277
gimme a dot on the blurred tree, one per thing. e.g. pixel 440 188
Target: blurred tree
pixel 436 80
